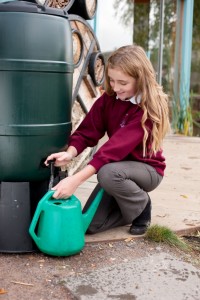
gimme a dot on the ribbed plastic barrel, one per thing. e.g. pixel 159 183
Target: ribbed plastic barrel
pixel 36 71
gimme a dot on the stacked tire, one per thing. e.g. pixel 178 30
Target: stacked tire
pixel 89 64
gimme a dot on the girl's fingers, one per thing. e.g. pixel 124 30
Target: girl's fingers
pixel 55 195
pixel 50 157
pixel 60 159
pixel 59 195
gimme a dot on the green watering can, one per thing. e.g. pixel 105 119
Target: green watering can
pixel 58 226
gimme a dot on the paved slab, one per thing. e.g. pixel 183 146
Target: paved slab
pixel 176 202
pixel 156 277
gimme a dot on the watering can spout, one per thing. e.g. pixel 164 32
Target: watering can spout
pixel 89 214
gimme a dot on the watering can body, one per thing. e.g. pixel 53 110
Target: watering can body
pixel 58 226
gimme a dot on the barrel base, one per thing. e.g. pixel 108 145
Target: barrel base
pixel 18 201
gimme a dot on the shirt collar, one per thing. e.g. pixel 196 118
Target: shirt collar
pixel 134 99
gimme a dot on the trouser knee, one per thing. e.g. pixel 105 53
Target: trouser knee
pixel 108 176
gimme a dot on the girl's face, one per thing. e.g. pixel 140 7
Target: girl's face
pixel 122 84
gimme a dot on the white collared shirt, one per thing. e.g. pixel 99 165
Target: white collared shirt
pixel 134 99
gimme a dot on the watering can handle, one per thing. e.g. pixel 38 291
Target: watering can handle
pixel 51 180
pixel 36 216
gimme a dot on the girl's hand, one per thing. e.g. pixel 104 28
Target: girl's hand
pixel 61 158
pixel 65 188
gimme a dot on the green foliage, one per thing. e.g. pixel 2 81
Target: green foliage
pixel 196 118
pixel 124 9
pixel 196 26
pixel 141 25
pixel 162 234
pixel 182 120
pixel 195 68
pixel 146 16
pixel 146 27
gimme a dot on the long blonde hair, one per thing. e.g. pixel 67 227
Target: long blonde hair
pixel 132 60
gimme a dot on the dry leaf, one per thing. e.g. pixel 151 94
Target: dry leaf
pixel 184 196
pixel 161 216
pixel 110 245
pixel 41 260
pixel 2 291
pixel 128 240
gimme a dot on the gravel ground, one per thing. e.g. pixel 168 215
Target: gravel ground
pixel 37 276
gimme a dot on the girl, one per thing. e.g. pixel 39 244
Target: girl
pixel 133 112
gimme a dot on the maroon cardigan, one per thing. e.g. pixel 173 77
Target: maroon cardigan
pixel 121 120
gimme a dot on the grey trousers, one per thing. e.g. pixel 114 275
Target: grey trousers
pixel 126 185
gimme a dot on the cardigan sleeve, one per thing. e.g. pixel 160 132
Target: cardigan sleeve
pixel 91 129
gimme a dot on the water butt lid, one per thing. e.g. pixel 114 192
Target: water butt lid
pixel 30 7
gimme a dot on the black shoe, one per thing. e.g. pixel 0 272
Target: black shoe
pixel 142 222
pixel 138 230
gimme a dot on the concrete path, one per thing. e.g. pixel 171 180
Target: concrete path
pixel 176 202
pixel 157 276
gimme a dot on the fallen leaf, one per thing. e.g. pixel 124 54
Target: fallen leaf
pixel 128 240
pixel 161 216
pixel 41 260
pixel 2 291
pixel 110 245
pixel 184 196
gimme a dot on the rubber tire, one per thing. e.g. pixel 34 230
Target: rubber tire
pixel 79 7
pixel 82 46
pixel 91 67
